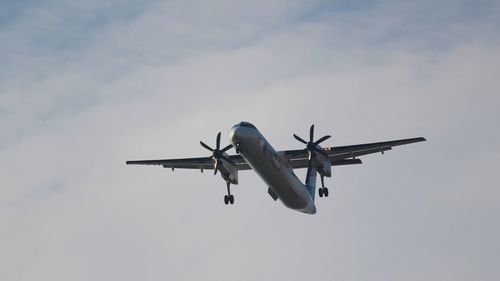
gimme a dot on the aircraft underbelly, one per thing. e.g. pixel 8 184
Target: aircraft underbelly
pixel 266 163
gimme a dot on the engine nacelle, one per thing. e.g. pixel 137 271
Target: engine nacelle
pixel 323 165
pixel 228 171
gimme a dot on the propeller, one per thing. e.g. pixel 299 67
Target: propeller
pixel 312 146
pixel 218 153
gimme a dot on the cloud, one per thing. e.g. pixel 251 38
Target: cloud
pixel 86 86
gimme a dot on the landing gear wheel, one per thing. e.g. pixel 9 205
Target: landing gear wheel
pixel 325 191
pixel 226 199
pixel 231 199
pixel 320 192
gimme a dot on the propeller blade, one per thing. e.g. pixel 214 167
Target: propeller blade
pixel 218 141
pixel 322 140
pixel 299 139
pixel 226 148
pixel 206 146
pixel 311 133
pixel 216 168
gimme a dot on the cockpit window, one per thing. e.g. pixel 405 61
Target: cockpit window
pixel 248 125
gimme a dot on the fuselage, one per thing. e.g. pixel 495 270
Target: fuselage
pixel 271 167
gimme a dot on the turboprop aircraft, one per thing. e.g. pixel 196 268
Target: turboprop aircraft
pixel 276 167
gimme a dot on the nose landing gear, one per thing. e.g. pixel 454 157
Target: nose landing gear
pixel 228 199
pixel 323 191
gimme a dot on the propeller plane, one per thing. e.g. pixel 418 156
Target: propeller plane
pixel 276 168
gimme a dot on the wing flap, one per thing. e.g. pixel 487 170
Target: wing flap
pixel 200 163
pixel 303 162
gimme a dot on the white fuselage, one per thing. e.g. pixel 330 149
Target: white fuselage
pixel 271 167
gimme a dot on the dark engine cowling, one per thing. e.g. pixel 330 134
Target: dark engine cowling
pixel 228 171
pixel 323 165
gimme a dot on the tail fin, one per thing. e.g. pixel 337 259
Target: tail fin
pixel 311 181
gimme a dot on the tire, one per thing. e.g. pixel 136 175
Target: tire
pixel 226 199
pixel 320 192
pixel 231 199
pixel 325 191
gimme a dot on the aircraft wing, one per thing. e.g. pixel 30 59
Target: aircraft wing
pixel 345 155
pixel 200 163
pixel 339 155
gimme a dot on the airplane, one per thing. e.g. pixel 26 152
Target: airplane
pixel 276 168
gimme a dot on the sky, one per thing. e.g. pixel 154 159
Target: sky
pixel 87 85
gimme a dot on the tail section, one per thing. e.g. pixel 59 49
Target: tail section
pixel 311 181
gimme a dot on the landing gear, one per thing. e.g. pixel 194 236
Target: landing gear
pixel 323 191
pixel 228 199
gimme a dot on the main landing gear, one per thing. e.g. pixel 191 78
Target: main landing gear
pixel 323 191
pixel 228 199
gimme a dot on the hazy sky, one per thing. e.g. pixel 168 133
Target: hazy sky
pixel 87 85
